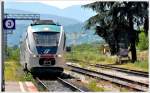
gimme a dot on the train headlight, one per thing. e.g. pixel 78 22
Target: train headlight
pixel 59 55
pixel 35 56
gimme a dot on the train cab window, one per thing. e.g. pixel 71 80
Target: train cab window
pixel 46 38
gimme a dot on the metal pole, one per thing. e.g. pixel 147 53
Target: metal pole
pixel 1 47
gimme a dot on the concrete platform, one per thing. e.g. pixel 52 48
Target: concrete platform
pixel 20 87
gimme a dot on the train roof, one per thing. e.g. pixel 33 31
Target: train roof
pixel 44 22
pixel 47 28
pixel 45 25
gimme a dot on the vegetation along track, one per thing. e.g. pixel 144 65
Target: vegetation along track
pixel 136 85
pixel 135 72
pixel 57 84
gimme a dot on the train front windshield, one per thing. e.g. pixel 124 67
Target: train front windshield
pixel 46 38
pixel 46 42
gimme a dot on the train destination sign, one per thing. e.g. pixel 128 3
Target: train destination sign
pixel 9 24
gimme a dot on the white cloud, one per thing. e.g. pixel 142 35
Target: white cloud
pixel 60 3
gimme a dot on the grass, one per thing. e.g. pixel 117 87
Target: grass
pixel 93 86
pixel 13 72
pixel 87 53
pixel 138 65
pixel 91 54
pixel 28 77
pixel 142 55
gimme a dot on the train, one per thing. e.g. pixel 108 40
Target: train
pixel 42 48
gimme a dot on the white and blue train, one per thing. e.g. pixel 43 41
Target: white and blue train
pixel 42 47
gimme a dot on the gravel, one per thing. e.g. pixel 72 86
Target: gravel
pixel 56 86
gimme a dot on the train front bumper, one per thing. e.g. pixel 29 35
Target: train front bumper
pixel 46 71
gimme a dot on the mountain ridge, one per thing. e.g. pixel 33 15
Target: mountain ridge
pixel 75 11
pixel 71 26
pixel 62 20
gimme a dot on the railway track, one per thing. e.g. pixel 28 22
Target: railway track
pixel 58 84
pixel 135 72
pixel 136 85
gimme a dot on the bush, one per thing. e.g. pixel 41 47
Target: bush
pixel 86 54
pixel 143 42
pixel 13 53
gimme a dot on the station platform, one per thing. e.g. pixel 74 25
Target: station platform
pixel 11 86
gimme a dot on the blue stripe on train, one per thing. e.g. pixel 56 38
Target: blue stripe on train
pixel 46 49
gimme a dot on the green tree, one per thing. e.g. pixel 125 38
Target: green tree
pixel 116 18
pixel 143 41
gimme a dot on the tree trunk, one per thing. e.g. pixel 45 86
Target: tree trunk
pixel 133 51
pixel 132 40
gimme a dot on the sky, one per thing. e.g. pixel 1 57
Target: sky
pixel 61 4
pixel 70 9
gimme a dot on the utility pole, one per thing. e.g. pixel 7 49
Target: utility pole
pixel 1 47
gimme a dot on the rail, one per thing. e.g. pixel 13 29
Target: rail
pixel 135 72
pixel 68 84
pixel 62 81
pixel 140 86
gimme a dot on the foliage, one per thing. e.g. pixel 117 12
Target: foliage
pixel 111 15
pixel 28 77
pixel 143 41
pixel 86 54
pixel 116 19
pixel 13 53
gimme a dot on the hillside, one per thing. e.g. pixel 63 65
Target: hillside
pixel 70 26
pixel 74 12
pixel 62 20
